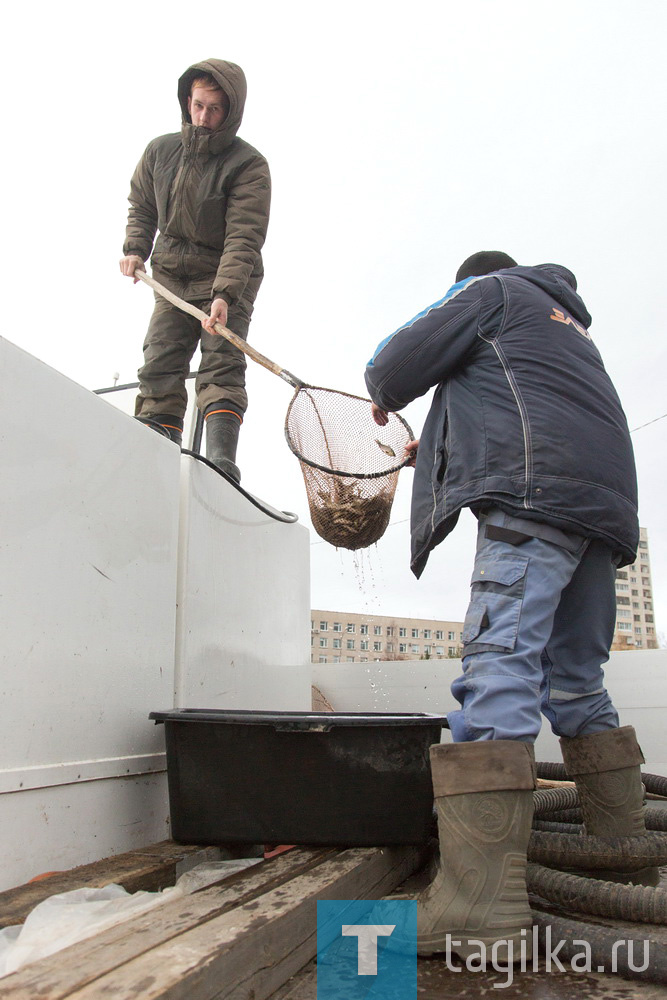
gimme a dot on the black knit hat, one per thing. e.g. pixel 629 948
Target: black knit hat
pixel 484 262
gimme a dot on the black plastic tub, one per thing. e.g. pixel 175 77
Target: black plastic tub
pixel 299 777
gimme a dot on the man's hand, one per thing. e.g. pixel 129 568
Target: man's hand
pixel 411 450
pixel 219 309
pixel 380 417
pixel 130 264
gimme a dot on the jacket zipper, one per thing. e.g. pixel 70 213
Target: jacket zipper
pixel 528 465
pixel 190 155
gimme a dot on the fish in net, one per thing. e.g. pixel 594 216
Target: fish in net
pixel 350 465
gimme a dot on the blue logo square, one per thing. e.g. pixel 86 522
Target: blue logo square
pixel 367 949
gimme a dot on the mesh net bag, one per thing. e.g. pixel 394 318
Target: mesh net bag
pixel 350 465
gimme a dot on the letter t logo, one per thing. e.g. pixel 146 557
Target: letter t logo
pixel 367 948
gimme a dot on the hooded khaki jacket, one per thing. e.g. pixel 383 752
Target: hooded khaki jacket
pixel 208 194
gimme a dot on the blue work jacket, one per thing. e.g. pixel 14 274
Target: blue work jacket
pixel 524 416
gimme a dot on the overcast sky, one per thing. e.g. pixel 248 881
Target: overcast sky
pixel 401 139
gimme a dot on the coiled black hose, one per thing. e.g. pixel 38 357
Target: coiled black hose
pixel 655 819
pixel 552 771
pixel 628 854
pixel 567 816
pixel 556 827
pixel 656 784
pixel 645 904
pixel 548 800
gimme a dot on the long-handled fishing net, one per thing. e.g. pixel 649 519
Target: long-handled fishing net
pixel 350 465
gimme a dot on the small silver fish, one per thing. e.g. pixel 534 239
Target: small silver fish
pixel 386 448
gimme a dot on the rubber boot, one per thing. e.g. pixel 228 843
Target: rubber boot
pixel 606 769
pixel 222 435
pixel 169 426
pixel 484 802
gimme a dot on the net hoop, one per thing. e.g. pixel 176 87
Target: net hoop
pixel 340 472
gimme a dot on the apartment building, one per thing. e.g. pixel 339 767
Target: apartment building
pixel 635 621
pixel 343 637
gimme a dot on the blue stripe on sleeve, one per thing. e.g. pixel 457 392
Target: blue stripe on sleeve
pixel 450 294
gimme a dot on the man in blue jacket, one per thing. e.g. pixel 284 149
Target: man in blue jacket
pixel 526 430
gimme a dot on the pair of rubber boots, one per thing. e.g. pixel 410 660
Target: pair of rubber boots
pixel 484 802
pixel 222 435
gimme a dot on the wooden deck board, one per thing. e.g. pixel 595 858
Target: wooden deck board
pixel 251 932
pixel 74 967
pixel 255 948
pixel 150 868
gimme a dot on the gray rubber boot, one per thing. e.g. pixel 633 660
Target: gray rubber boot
pixel 222 435
pixel 606 770
pixel 484 801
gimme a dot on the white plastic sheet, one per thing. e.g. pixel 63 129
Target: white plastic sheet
pixel 68 917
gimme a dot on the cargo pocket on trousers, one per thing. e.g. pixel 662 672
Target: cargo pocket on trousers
pixel 492 620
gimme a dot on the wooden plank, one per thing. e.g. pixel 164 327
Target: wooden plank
pixel 249 952
pixel 302 986
pixel 150 868
pixel 72 968
pixel 553 783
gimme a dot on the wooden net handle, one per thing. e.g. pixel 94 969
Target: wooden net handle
pixel 229 335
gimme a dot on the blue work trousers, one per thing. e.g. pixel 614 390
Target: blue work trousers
pixel 537 631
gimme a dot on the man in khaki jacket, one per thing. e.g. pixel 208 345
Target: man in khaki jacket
pixel 207 194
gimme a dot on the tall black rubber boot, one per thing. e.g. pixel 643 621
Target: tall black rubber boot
pixel 222 435
pixel 166 424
